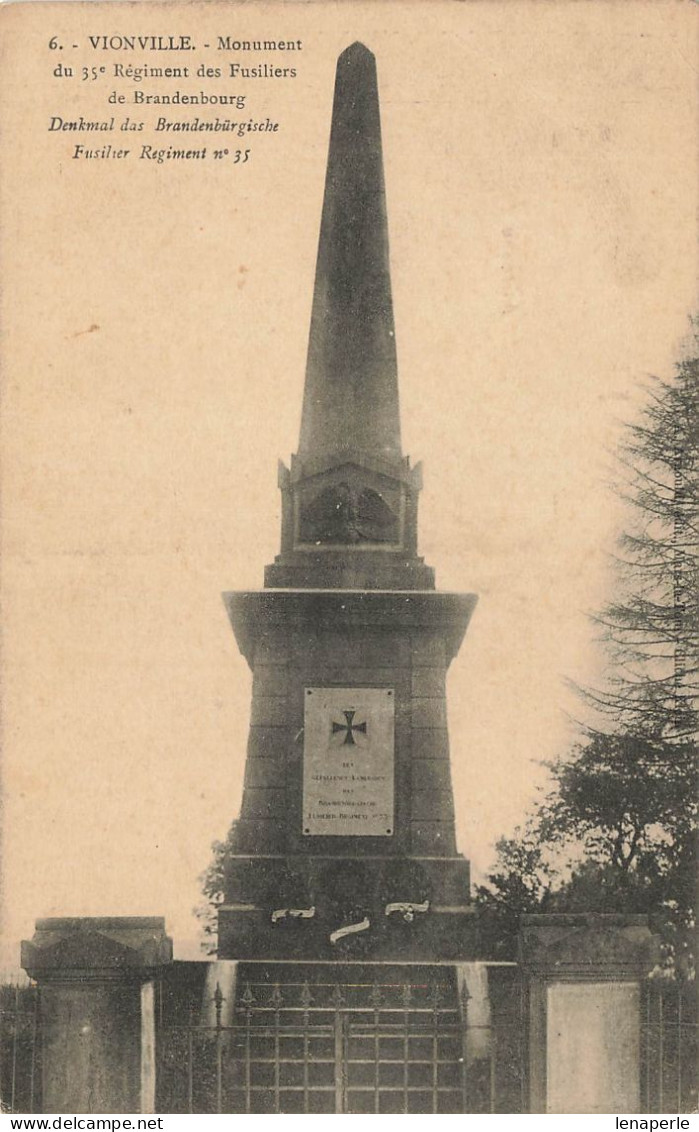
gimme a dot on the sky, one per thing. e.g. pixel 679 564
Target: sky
pixel 541 191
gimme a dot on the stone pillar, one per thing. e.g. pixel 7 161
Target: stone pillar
pixel 97 1019
pixel 583 976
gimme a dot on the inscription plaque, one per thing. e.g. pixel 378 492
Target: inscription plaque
pixel 593 1051
pixel 348 761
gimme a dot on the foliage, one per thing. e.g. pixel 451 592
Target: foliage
pixel 212 883
pixel 522 883
pixel 617 829
pixel 649 630
pixel 621 797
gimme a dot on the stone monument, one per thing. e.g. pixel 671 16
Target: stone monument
pixel 345 847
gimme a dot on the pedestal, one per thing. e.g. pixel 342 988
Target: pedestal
pixel 97 1010
pixel 583 976
pixel 395 893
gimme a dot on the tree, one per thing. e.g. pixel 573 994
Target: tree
pixel 212 883
pixel 649 631
pixel 617 829
pixel 621 797
pixel 522 883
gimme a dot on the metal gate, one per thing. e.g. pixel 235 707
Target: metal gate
pixel 321 1049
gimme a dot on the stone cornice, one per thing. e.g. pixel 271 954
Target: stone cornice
pixel 255 612
pixel 67 949
pixel 587 947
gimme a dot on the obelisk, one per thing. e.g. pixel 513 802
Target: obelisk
pixel 351 394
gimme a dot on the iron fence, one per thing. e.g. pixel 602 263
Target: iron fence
pixel 356 1048
pixel 331 1048
pixel 669 1053
pixel 20 1048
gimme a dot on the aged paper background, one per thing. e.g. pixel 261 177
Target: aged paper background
pixel 541 183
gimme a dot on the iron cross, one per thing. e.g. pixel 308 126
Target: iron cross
pixel 349 727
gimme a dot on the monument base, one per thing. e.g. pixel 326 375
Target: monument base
pixel 408 933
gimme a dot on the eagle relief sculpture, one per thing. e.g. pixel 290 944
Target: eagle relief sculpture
pixel 345 514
